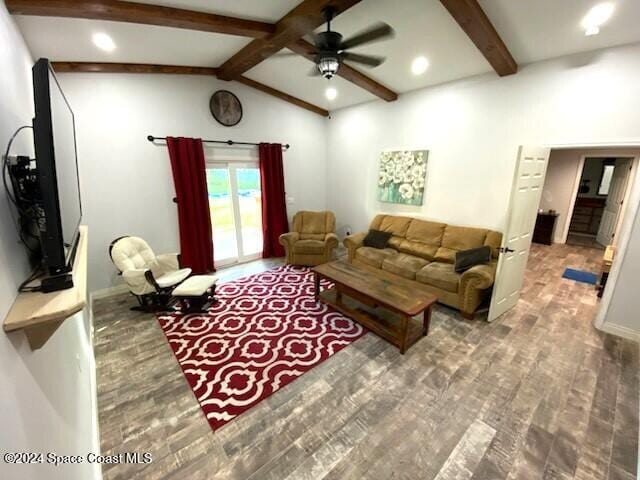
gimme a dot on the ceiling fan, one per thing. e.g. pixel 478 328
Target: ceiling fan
pixel 331 50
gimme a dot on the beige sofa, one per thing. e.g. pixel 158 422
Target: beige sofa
pixel 424 251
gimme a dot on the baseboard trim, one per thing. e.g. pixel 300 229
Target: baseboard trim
pixel 620 331
pixel 109 292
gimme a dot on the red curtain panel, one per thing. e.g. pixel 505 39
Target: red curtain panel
pixel 274 209
pixel 194 218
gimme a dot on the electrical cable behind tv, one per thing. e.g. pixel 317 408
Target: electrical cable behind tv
pixel 20 223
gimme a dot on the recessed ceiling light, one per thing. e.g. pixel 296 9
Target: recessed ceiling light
pixel 596 17
pixel 592 31
pixel 331 93
pixel 419 65
pixel 104 42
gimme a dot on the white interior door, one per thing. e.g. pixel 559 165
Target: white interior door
pixel 521 219
pixel 615 199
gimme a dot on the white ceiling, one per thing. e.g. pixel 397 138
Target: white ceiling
pixel 532 30
pixel 262 10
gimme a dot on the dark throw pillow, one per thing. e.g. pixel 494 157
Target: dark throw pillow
pixel 465 259
pixel 376 239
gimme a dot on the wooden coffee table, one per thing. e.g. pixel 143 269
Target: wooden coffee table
pixel 382 292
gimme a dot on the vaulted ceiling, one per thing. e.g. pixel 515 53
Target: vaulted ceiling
pixel 531 30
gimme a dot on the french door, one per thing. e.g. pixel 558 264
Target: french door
pixel 235 202
pixel 531 168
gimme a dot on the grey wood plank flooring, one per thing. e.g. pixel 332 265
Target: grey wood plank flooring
pixel 540 393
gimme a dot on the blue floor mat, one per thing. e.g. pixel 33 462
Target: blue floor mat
pixel 580 276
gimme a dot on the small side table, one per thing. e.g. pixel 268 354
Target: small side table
pixel 607 261
pixel 545 225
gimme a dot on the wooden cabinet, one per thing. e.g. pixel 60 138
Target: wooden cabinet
pixel 545 225
pixel 587 214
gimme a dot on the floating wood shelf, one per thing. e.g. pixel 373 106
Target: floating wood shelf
pixel 40 314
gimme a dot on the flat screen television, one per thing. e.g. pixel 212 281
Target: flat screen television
pixel 57 172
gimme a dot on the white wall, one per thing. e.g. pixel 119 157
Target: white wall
pixel 47 396
pixel 621 293
pixel 127 182
pixel 473 129
pixel 559 185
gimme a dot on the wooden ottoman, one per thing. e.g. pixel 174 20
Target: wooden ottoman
pixel 196 293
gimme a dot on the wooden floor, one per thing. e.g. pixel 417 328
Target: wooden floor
pixel 580 240
pixel 537 394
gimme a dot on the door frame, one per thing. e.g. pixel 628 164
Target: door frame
pixel 231 163
pixel 624 228
pixel 576 185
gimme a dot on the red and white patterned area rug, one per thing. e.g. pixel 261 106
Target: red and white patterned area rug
pixel 263 332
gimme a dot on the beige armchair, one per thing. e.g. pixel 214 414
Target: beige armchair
pixel 312 239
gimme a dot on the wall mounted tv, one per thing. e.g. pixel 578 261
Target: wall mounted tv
pixel 57 177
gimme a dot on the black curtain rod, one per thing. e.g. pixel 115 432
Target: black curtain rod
pixel 151 138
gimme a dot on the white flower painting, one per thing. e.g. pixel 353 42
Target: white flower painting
pixel 402 177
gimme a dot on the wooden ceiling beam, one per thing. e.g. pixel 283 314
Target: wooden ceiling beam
pixel 142 13
pixel 306 49
pixel 478 27
pixel 102 67
pixel 281 95
pixel 300 21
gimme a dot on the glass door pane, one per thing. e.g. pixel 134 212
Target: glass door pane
pixel 250 209
pixel 222 217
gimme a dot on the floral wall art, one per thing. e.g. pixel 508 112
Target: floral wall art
pixel 402 176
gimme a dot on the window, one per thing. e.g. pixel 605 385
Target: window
pixel 605 180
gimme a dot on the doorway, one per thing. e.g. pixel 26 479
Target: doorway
pixel 599 201
pixel 235 202
pixel 538 190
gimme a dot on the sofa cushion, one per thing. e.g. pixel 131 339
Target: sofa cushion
pixel 391 223
pixel 463 238
pixel 395 242
pixel 426 232
pixel 445 255
pixel 404 265
pixel 312 236
pixel 374 256
pixel 313 225
pixel 418 249
pixel 309 246
pixel 313 222
pixel 440 275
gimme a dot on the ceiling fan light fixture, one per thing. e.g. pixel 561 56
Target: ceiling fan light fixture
pixel 331 93
pixel 328 67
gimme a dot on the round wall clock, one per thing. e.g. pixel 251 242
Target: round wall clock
pixel 226 108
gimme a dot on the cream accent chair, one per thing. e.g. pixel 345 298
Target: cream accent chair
pixel 150 277
pixel 312 240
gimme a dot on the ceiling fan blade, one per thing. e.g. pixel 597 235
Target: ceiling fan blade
pixel 369 60
pixel 314 72
pixel 377 32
